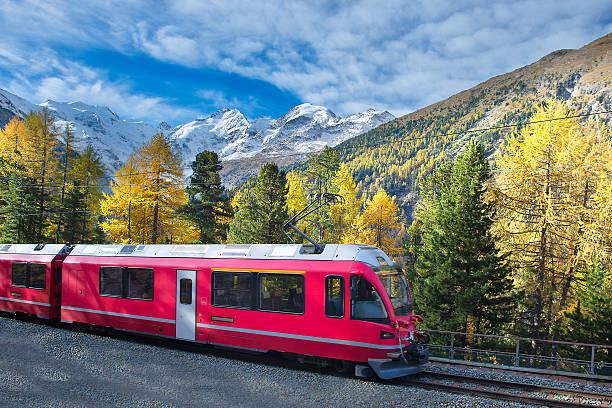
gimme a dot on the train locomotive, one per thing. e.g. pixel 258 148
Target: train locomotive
pixel 345 305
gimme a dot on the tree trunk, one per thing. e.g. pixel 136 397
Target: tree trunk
pixel 155 215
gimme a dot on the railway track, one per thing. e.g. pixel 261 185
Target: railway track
pixel 510 391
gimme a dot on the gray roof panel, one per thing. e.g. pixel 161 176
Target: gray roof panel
pixel 331 252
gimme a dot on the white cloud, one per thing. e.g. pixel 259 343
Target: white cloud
pixel 43 76
pixel 392 55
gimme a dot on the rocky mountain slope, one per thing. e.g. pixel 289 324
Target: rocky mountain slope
pixel 241 143
pixel 400 153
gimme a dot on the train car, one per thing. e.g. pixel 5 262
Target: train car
pixel 349 303
pixel 30 278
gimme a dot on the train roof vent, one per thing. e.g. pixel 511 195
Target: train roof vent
pixel 235 250
pixel 5 248
pixel 139 248
pixel 39 247
pixel 108 249
pixel 285 251
pixel 127 249
pixel 190 249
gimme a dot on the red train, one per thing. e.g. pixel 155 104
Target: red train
pixel 348 305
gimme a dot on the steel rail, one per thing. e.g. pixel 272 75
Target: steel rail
pixel 603 400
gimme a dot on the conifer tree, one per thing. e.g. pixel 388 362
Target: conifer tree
pixel 162 184
pixel 123 210
pixel 462 278
pixel 380 223
pixel 319 175
pixel 208 204
pixel 550 175
pixel 68 142
pixel 40 155
pixel 84 193
pixel 262 210
pixel 590 320
pixel 11 136
pixel 18 203
pixel 345 214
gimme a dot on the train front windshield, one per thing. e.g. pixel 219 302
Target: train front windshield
pixel 395 284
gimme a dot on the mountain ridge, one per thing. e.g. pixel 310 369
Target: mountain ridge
pixel 401 153
pixel 305 129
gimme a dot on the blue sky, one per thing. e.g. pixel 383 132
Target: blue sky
pixel 175 61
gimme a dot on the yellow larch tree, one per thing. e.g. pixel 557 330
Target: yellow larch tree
pixel 12 136
pixel 345 214
pixel 380 223
pixel 296 197
pixel 546 184
pixel 163 188
pixel 123 209
pixel 39 155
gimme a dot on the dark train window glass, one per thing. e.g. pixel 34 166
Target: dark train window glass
pixel 19 275
pixel 185 292
pixel 334 296
pixel 366 303
pixel 140 283
pixel 38 275
pixel 232 289
pixel 281 293
pixel 111 281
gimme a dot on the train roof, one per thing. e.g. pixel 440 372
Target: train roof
pixel 331 252
pixel 31 249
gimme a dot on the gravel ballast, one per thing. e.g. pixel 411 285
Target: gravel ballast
pixel 43 365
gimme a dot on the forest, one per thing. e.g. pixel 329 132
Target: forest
pixel 509 233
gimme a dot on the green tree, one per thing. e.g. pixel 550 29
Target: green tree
pixel 320 175
pixel 208 205
pixel 85 195
pixel 19 195
pixel 463 279
pixel 262 210
pixel 590 321
pixel 68 142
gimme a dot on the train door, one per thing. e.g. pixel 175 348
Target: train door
pixel 185 304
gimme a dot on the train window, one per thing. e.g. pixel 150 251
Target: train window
pixel 37 275
pixel 366 303
pixel 334 296
pixel 111 281
pixel 281 293
pixel 140 283
pixel 185 291
pixel 19 275
pixel 232 289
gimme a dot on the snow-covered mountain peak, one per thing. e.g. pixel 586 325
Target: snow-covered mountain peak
pixel 305 128
pixel 304 112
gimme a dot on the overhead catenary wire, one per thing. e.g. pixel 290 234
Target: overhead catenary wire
pixel 338 148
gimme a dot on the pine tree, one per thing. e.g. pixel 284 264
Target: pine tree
pixel 262 210
pixel 18 203
pixel 590 321
pixel 319 176
pixel 208 204
pixel 462 278
pixel 68 142
pixel 85 193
